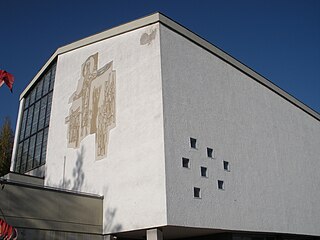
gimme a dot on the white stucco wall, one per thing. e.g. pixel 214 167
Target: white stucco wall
pixel 131 177
pixel 271 145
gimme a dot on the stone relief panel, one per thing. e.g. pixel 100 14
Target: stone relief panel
pixel 93 109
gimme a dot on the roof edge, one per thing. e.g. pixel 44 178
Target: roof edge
pixel 123 28
pixel 236 63
pixel 159 17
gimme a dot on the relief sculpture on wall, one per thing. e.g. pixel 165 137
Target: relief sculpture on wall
pixel 93 109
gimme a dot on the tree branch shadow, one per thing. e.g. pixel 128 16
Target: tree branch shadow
pixel 78 175
pixel 109 215
pixel 76 182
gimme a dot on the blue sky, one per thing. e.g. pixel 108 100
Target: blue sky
pixel 279 39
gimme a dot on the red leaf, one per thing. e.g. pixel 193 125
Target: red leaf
pixel 6 78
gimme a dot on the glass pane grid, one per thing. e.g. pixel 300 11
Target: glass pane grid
pixel 34 127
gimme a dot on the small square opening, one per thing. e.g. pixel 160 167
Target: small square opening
pixel 226 166
pixel 210 153
pixel 193 143
pixel 185 162
pixel 204 172
pixel 220 184
pixel 196 192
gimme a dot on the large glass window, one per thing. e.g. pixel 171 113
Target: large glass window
pixel 33 134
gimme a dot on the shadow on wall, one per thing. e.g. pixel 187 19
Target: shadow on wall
pixel 37 172
pixel 109 214
pixel 77 174
pixel 76 184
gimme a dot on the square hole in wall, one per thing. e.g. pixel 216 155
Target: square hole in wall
pixel 226 166
pixel 196 192
pixel 210 153
pixel 193 143
pixel 204 171
pixel 186 162
pixel 220 184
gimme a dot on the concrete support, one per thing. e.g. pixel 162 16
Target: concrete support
pixel 154 234
pixel 109 237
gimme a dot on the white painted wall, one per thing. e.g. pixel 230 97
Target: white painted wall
pixel 131 177
pixel 271 145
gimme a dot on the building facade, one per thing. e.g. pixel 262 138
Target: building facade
pixel 174 137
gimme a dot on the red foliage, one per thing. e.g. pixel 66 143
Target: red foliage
pixel 7 231
pixel 6 78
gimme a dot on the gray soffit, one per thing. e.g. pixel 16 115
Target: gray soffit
pixel 158 17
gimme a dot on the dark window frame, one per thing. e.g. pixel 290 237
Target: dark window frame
pixel 33 134
pixel 204 172
pixel 210 152
pixel 185 162
pixel 220 184
pixel 193 143
pixel 226 166
pixel 197 192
